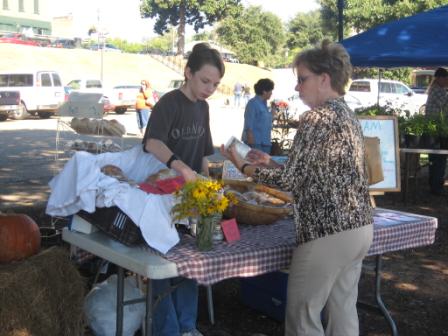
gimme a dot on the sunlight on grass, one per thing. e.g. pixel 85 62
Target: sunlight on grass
pixel 406 286
pixel 388 276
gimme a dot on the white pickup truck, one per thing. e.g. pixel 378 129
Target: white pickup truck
pixel 121 97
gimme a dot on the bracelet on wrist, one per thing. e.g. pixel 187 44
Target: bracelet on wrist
pixel 171 159
pixel 244 167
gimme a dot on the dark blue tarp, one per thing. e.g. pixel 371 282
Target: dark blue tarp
pixel 418 40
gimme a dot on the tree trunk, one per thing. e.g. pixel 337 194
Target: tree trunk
pixel 181 29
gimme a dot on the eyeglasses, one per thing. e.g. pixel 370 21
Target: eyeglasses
pixel 302 79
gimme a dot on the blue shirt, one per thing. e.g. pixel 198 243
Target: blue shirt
pixel 258 119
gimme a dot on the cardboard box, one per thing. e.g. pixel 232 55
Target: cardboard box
pixel 266 293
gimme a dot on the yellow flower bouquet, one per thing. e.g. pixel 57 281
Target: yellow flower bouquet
pixel 203 199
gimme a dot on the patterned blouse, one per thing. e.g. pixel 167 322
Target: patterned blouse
pixel 325 172
pixel 437 101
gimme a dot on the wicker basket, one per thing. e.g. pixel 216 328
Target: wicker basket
pixel 114 223
pixel 247 213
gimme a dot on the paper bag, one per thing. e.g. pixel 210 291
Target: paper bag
pixel 373 160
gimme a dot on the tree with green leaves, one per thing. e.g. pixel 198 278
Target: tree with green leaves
pixel 304 30
pixel 179 13
pixel 366 14
pixel 255 36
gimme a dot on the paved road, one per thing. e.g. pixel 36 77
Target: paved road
pixel 28 151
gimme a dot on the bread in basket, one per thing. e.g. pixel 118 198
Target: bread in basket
pixel 256 214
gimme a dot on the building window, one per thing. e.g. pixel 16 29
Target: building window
pixel 21 7
pixel 36 6
pixel 5 4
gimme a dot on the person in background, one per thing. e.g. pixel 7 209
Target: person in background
pixel 258 118
pixel 144 104
pixel 325 171
pixel 246 93
pixel 179 134
pixel 237 92
pixel 436 106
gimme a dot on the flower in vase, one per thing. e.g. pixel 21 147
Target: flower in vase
pixel 201 198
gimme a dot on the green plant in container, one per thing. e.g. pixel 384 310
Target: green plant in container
pixel 416 125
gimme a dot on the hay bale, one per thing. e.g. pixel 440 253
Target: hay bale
pixel 41 296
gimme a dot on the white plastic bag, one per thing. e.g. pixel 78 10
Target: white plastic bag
pixel 100 307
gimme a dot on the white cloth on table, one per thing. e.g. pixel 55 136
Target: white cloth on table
pixel 82 186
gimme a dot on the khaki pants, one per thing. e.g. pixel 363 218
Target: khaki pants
pixel 324 276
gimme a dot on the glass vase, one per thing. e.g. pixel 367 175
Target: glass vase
pixel 205 230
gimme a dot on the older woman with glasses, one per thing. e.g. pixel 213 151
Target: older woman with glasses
pixel 326 174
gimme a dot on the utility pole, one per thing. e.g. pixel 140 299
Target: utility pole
pixel 100 44
pixel 340 20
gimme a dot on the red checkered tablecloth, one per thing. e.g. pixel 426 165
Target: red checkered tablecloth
pixel 267 248
pixel 261 249
pixel 396 230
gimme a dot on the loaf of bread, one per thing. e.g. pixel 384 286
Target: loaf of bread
pixel 162 174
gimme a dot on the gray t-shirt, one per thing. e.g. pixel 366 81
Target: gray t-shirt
pixel 182 125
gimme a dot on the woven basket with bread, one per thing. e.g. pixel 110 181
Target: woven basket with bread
pixel 257 204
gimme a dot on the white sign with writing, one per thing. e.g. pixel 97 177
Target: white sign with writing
pixel 386 129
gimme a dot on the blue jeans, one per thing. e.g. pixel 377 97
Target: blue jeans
pixel 177 312
pixel 237 99
pixel 143 118
pixel 263 148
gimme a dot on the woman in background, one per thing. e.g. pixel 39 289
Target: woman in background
pixel 258 118
pixel 143 105
pixel 437 106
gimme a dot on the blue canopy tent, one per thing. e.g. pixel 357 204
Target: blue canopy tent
pixel 418 40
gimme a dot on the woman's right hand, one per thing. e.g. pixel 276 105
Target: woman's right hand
pixel 258 157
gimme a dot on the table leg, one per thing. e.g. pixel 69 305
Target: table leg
pixel 149 309
pixel 379 299
pixel 211 313
pixel 380 307
pixel 120 301
pixel 406 177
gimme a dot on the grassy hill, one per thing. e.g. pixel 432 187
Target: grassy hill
pixel 118 68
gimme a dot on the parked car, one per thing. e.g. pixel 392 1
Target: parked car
pixel 41 92
pixel 17 38
pixel 173 84
pixel 420 80
pixel 231 59
pixel 84 85
pixel 64 43
pixel 105 47
pixel 9 104
pixel 123 97
pixel 117 99
pixel 395 94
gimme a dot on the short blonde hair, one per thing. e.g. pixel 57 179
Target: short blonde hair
pixel 330 58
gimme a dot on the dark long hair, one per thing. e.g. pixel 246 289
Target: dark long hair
pixel 203 54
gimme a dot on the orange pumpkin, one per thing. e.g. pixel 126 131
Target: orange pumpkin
pixel 19 237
